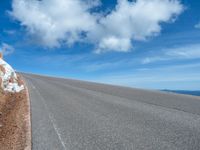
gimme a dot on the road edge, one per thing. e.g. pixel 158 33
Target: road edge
pixel 28 120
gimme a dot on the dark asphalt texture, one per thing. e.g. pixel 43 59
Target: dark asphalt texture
pixel 78 115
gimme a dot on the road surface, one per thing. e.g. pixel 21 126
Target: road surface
pixel 76 115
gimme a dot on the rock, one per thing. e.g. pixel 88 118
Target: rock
pixel 8 78
pixel 1 81
pixel 2 69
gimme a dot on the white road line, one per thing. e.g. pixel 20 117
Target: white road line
pixel 51 118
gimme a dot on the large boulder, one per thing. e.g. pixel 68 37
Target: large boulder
pixel 8 78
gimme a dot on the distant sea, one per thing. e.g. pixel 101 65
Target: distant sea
pixel 195 93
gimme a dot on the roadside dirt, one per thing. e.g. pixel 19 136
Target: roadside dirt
pixel 14 109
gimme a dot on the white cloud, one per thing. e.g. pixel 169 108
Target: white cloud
pixel 197 25
pixel 134 21
pixel 114 43
pixel 65 21
pixel 187 52
pixel 6 49
pixel 148 60
pixel 180 76
pixel 182 52
pixel 54 21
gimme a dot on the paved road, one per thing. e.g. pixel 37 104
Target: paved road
pixel 77 115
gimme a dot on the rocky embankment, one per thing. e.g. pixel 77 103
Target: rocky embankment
pixel 14 110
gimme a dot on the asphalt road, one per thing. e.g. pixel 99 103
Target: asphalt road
pixel 76 115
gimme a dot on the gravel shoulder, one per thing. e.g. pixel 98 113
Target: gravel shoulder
pixel 15 121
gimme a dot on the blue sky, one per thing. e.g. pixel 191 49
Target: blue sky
pixel 115 42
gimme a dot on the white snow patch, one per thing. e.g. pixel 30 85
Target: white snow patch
pixel 9 78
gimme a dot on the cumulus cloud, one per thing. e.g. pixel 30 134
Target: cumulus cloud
pixel 55 21
pixel 134 21
pixel 6 49
pixel 70 21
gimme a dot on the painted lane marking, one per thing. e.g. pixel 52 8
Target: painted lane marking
pixel 50 117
